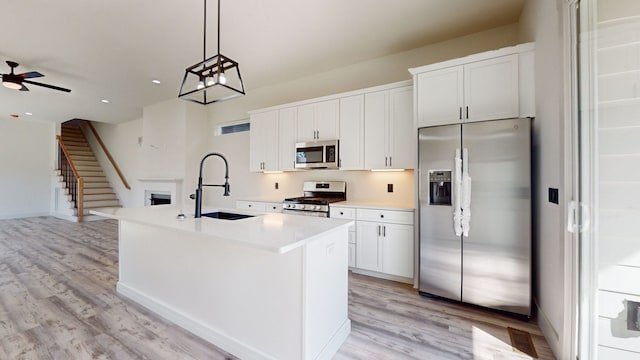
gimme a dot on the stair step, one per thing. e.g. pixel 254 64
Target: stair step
pixel 93 179
pixel 83 167
pixel 84 147
pixel 89 163
pixel 96 197
pixel 77 158
pixel 96 185
pixel 101 203
pixel 84 152
pixel 98 190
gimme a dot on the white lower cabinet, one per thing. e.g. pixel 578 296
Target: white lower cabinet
pixel 383 241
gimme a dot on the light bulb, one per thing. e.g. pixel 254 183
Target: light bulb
pixel 210 81
pixel 222 79
pixel 200 85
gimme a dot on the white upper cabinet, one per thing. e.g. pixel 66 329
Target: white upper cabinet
pixel 287 133
pixel 318 121
pixel 376 117
pixel 389 139
pixel 403 138
pixel 351 146
pixel 263 139
pixel 440 96
pixel 491 89
pixel 487 86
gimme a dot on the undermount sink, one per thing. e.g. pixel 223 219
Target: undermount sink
pixel 226 216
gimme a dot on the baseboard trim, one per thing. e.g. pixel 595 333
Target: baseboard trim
pixel 338 338
pixel 23 215
pixel 212 335
pixel 549 332
pixel 382 275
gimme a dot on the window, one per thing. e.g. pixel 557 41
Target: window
pixel 231 127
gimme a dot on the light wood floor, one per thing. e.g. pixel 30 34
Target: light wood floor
pixel 58 301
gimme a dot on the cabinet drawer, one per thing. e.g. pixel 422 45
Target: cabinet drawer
pixel 385 216
pixel 342 213
pixel 251 205
pixel 273 207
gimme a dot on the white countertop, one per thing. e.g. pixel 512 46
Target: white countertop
pixel 270 231
pixel 272 199
pixel 374 205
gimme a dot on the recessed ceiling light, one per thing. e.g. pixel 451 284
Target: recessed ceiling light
pixel 28 113
pixel 105 101
pixel 155 81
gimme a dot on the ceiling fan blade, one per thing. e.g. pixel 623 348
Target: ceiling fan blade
pixel 47 86
pixel 30 74
pixel 24 88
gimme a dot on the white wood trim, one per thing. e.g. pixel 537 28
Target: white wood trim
pixel 336 96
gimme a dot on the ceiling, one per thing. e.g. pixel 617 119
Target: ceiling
pixel 113 49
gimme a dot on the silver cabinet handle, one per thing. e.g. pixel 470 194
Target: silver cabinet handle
pixel 318 132
pixel 385 161
pixel 378 230
pixel 460 116
pixel 467 112
pixel 384 231
pixel 390 161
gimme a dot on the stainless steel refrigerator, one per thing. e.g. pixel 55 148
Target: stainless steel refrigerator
pixel 475 213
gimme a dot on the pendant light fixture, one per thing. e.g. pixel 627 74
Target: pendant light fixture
pixel 213 79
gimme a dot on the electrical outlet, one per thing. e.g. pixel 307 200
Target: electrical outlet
pixel 553 195
pixel 276 186
pixel 633 315
pixel 389 187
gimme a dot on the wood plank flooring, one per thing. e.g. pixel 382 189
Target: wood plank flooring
pixel 58 301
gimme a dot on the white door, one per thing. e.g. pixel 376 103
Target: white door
pixel 402 135
pixel 491 89
pixel 306 123
pixel 397 250
pixel 440 97
pixel 376 114
pixel 367 247
pixel 352 133
pixel 287 132
pixel 263 141
pixel 327 119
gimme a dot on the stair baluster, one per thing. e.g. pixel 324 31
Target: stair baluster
pixel 74 181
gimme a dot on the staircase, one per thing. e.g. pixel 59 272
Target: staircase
pixel 97 190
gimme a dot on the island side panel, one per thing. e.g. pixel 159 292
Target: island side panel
pixel 326 297
pixel 246 300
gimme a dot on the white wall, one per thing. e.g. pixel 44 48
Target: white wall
pixel 122 142
pixel 618 176
pixel 27 161
pixel 542 22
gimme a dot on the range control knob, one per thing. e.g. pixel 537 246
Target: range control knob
pixel 300 206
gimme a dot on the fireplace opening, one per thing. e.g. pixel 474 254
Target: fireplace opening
pixel 159 199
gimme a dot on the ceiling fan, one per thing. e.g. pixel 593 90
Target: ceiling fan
pixel 15 81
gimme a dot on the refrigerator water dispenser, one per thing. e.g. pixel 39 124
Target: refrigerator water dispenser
pixel 440 187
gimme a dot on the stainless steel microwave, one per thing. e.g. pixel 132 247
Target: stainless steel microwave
pixel 317 155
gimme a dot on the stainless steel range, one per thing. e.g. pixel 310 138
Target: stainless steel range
pixel 317 197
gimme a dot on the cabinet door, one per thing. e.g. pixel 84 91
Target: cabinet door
pixel 306 123
pixel 327 118
pixel 440 96
pixel 352 255
pixel 367 248
pixel 263 141
pixel 352 133
pixel 402 134
pixel 376 114
pixel 397 250
pixel 287 128
pixel 491 89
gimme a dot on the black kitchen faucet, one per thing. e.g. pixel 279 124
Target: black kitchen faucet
pixel 198 196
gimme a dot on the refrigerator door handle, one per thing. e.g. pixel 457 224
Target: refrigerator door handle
pixel 466 194
pixel 457 194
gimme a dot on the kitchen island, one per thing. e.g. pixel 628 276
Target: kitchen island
pixel 272 286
